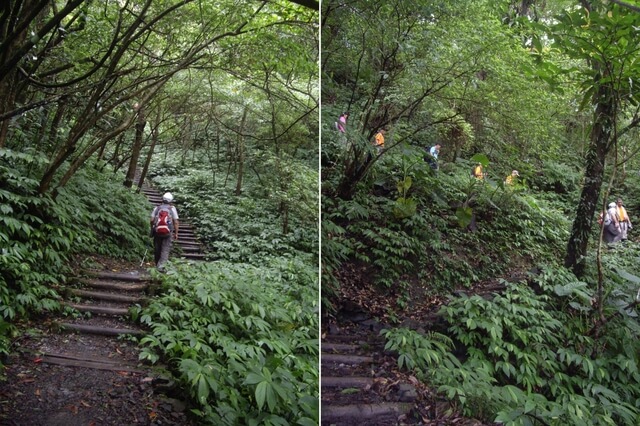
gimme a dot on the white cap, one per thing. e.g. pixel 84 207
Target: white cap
pixel 612 205
pixel 167 197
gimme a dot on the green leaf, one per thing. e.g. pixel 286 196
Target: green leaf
pixel 253 378
pixel 261 394
pixel 203 389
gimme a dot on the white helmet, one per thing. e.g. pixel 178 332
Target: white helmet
pixel 167 197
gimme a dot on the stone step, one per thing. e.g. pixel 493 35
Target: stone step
pixel 195 256
pixel 330 347
pixel 190 249
pixel 77 360
pixel 107 296
pixel 103 331
pixel 127 286
pixel 345 359
pixel 118 276
pixel 364 413
pixel 188 242
pixel 349 339
pixel 102 310
pixel 346 382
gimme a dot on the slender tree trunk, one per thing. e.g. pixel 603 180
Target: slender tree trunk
pixel 240 170
pixel 218 148
pixel 152 147
pixel 137 148
pixel 8 91
pixel 52 134
pixel 116 151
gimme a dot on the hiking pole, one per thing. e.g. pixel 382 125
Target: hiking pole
pixel 143 256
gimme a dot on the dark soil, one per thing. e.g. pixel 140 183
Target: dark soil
pixel 34 392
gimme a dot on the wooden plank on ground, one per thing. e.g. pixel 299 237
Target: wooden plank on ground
pixel 339 347
pixel 119 276
pixel 104 331
pixel 128 286
pixel 96 365
pixel 107 296
pixel 84 357
pixel 364 411
pixel 346 382
pixel 345 359
pixel 104 310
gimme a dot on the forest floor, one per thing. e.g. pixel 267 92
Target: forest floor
pixel 33 392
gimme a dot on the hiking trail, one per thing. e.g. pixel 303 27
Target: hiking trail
pixel 83 369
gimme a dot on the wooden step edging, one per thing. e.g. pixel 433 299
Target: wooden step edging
pixel 103 331
pixel 195 256
pixel 345 359
pixel 113 286
pixel 104 310
pixel 346 382
pixel 330 347
pixel 75 360
pixel 364 411
pixel 118 276
pixel 107 296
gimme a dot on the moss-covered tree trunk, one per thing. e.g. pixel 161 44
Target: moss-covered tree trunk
pixel 599 145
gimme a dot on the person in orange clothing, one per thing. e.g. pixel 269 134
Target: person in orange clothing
pixel 379 139
pixel 511 179
pixel 623 219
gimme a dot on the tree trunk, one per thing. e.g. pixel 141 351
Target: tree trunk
pixel 137 148
pixel 52 134
pixel 116 150
pixel 241 152
pixel 152 147
pixel 357 164
pixel 603 123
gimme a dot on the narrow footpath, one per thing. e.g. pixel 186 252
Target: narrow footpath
pixel 360 382
pixel 82 368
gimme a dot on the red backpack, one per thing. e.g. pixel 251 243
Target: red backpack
pixel 163 223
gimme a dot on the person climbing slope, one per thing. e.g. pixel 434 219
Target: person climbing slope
pixel 611 232
pixel 164 228
pixel 341 124
pixel 511 179
pixel 623 216
pixel 379 139
pixel 432 157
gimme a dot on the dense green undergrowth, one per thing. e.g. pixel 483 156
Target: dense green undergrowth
pixel 243 339
pixel 240 332
pixel 535 358
pixel 443 230
pixel 40 235
pixel 528 356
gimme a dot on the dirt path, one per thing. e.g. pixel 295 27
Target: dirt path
pixel 83 368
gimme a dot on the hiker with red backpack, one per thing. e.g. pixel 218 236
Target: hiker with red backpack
pixel 164 223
